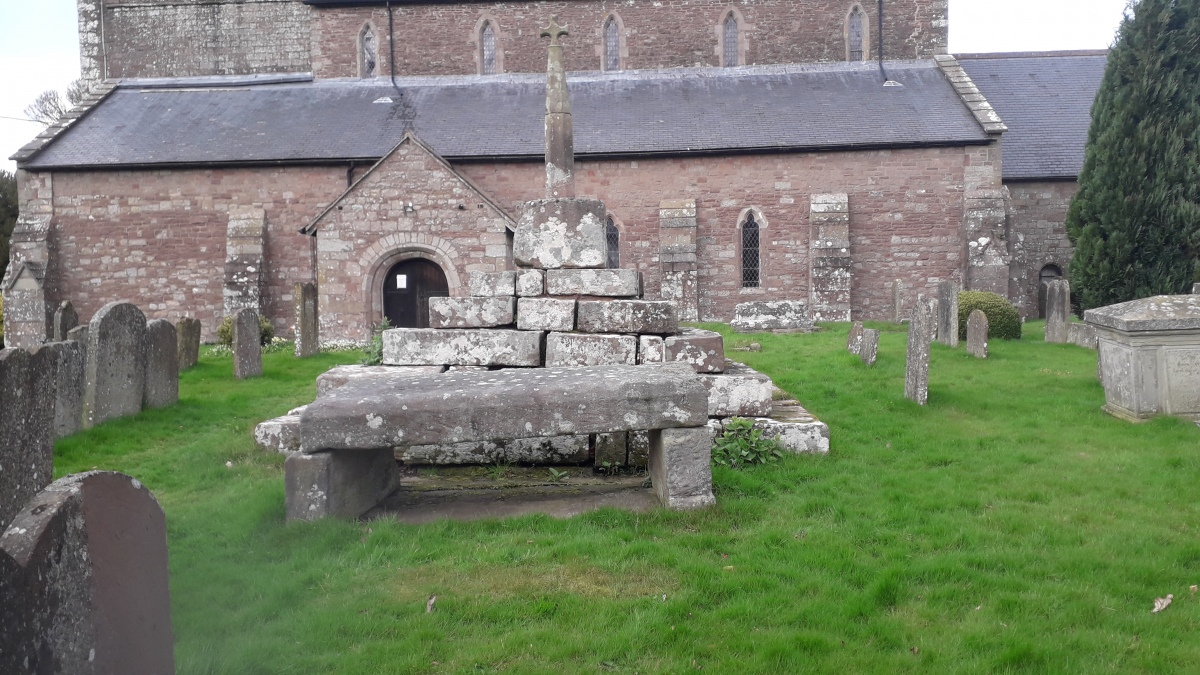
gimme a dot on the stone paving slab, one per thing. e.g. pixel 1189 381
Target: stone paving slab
pixel 340 375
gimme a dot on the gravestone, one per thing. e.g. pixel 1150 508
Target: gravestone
pixel 855 339
pixel 1196 289
pixel 247 344
pixel 1058 308
pixel 65 319
pixel 931 307
pixel 188 334
pixel 870 346
pixel 26 426
pixel 84 581
pixel 896 315
pixel 977 334
pixel 947 317
pixel 916 371
pixel 116 363
pixel 307 320
pixel 68 400
pixel 162 365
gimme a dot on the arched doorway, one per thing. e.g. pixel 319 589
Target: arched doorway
pixel 407 288
pixel 1049 273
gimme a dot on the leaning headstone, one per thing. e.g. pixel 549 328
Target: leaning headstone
pixel 116 365
pixel 188 335
pixel 977 334
pixel 26 426
pixel 68 400
pixel 162 365
pixel 84 581
pixel 931 307
pixel 870 346
pixel 65 319
pixel 916 372
pixel 1058 307
pixel 306 320
pixel 854 340
pixel 247 344
pixel 947 330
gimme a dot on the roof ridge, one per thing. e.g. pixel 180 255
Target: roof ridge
pixel 1033 55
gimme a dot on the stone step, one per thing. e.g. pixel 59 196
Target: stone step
pixel 627 316
pixel 740 391
pixel 461 347
pixel 619 283
pixel 590 349
pixel 703 350
pixel 492 284
pixel 476 312
pixel 551 314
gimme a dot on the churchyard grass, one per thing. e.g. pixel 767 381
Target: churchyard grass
pixel 1008 526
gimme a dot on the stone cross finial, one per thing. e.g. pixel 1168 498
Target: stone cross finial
pixel 553 31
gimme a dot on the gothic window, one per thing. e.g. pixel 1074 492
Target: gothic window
pixel 612 44
pixel 614 244
pixel 730 41
pixel 368 49
pixel 751 269
pixel 856 36
pixel 487 49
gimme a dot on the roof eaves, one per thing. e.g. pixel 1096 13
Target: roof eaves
pixel 971 97
pixel 91 99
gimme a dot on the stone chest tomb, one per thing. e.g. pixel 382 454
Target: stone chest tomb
pixel 1150 356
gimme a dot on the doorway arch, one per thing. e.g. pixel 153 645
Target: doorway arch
pixel 1049 273
pixel 407 287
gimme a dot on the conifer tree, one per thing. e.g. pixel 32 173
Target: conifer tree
pixel 1135 222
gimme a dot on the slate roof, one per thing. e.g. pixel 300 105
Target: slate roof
pixel 635 113
pixel 1045 98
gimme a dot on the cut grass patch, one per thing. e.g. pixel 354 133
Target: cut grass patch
pixel 1008 526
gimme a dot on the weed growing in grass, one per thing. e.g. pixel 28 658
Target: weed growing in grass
pixel 742 444
pixel 373 352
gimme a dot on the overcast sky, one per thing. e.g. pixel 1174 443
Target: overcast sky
pixel 39 44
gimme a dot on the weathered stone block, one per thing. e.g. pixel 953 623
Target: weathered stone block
pixel 247 344
pixel 575 349
pixel 947 316
pixel 651 349
pixel 571 449
pixel 869 349
pixel 84 579
pixel 611 449
pixel 681 467
pixel 531 283
pixel 545 314
pixel 558 233
pixel 854 339
pixel 162 365
pixel 338 484
pixel 916 373
pixel 1058 310
pixel 116 368
pixel 492 284
pixel 68 399
pixel 471 312
pixel 461 347
pixel 638 452
pixel 764 315
pixel 385 376
pixel 740 391
pixel 703 350
pixel 281 434
pixel 307 320
pixel 627 316
pixel 511 403
pixel 977 334
pixel 65 319
pixel 1082 334
pixel 188 333
pixel 621 283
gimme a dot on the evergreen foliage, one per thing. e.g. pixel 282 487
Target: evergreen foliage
pixel 225 331
pixel 1135 221
pixel 1003 320
pixel 8 214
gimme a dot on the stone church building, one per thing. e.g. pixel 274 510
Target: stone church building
pixel 229 150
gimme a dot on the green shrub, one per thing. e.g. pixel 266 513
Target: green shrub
pixel 225 331
pixel 743 444
pixel 1003 320
pixel 373 352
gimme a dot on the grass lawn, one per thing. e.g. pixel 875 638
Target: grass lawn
pixel 1010 525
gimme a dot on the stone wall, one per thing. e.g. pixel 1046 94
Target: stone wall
pixel 1037 216
pixel 439 38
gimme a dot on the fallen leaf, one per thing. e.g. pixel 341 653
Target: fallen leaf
pixel 429 604
pixel 979 608
pixel 1162 603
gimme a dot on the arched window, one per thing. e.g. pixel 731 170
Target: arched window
pixel 487 49
pixel 729 43
pixel 613 235
pixel 612 44
pixel 751 267
pixel 368 52
pixel 856 35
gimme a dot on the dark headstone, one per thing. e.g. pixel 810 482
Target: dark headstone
pixel 947 318
pixel 65 319
pixel 307 342
pixel 26 426
pixel 188 334
pixel 870 346
pixel 977 334
pixel 247 344
pixel 116 365
pixel 854 340
pixel 162 365
pixel 1058 309
pixel 68 399
pixel 86 560
pixel 916 373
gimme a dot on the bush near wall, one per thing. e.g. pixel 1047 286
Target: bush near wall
pixel 1003 320
pixel 225 331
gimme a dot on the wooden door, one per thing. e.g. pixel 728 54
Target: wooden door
pixel 407 289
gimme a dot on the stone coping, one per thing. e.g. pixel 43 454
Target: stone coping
pixel 1158 313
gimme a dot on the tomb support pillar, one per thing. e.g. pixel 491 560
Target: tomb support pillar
pixel 677 254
